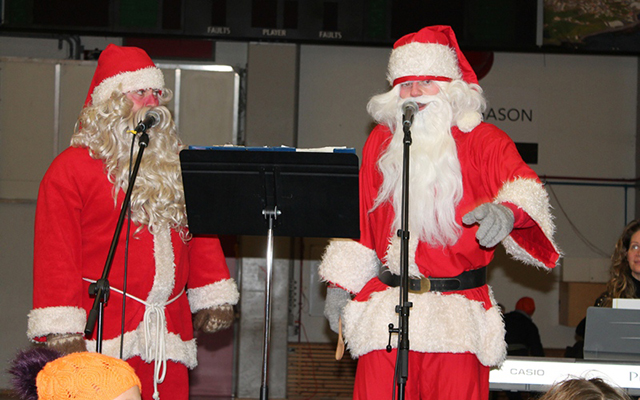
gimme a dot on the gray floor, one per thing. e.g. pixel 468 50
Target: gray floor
pixel 6 395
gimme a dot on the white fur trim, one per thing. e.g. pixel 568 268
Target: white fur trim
pixel 45 321
pixel 176 349
pixel 437 324
pixel 348 264
pixel 468 121
pixel 213 295
pixel 164 279
pixel 529 195
pixel 146 78
pixel 392 258
pixel 423 59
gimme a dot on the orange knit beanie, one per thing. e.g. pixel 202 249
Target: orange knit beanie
pixel 85 376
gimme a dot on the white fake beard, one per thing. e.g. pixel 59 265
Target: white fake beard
pixel 435 186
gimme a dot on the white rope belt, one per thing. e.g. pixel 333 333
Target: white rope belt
pixel 153 313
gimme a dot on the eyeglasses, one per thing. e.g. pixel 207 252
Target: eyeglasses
pixel 146 92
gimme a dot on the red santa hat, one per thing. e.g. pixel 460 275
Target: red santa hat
pixel 125 69
pixel 432 53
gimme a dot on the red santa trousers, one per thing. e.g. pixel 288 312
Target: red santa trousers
pixel 175 385
pixel 432 376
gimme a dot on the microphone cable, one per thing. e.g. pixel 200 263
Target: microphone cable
pixel 126 257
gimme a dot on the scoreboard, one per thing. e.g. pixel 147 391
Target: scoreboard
pixel 479 24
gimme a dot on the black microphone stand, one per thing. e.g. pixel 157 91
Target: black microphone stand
pixel 402 358
pixel 100 289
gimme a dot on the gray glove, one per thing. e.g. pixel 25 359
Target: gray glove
pixel 495 220
pixel 336 299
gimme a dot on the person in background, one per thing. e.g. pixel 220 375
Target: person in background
pixel 577 349
pixel 469 190
pixel 522 336
pixel 45 374
pixel 584 389
pixel 624 281
pixel 163 272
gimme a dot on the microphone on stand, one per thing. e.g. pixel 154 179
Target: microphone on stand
pixel 409 109
pixel 151 119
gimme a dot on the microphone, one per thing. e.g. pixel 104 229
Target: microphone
pixel 409 109
pixel 151 119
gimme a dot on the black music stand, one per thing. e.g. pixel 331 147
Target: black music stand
pixel 272 191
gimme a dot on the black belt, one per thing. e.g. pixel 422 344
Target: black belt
pixel 466 280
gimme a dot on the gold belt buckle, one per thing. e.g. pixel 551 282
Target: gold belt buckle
pixel 425 286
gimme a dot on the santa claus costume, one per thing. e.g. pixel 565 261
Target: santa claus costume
pixel 170 274
pixel 456 331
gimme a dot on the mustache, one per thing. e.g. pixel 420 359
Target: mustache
pixel 421 101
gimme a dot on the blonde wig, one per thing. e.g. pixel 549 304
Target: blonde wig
pixel 105 130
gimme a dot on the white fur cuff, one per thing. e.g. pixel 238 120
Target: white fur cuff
pixel 45 321
pixel 348 264
pixel 213 295
pixel 529 195
pixel 438 324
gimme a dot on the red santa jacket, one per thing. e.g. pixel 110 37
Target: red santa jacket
pixel 459 321
pixel 75 221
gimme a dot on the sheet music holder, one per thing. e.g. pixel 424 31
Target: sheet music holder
pixel 271 191
pixel 227 189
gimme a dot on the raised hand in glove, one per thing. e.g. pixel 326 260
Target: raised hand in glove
pixel 336 299
pixel 495 220
pixel 214 319
pixel 66 343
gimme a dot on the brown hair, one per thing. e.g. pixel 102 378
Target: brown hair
pixel 584 389
pixel 620 283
